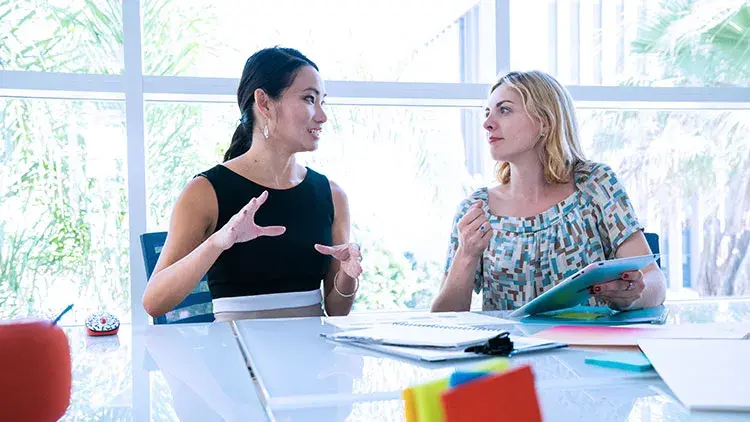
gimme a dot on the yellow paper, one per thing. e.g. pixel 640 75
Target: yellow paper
pixel 493 365
pixel 427 400
pixel 410 409
pixel 578 315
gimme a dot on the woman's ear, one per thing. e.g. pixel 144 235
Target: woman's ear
pixel 264 103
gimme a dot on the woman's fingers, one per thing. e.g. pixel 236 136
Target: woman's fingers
pixel 340 252
pixel 325 250
pixel 271 231
pixel 474 212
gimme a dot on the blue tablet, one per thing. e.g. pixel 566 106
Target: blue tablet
pixel 574 290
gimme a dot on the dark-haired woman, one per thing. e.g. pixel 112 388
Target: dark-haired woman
pixel 266 229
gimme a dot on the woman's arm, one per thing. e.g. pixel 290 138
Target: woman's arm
pixel 188 252
pixel 473 234
pixel 636 289
pixel 455 294
pixel 336 304
pixel 655 284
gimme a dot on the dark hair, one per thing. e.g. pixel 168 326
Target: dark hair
pixel 273 70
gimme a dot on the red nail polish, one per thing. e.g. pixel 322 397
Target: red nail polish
pixel 625 276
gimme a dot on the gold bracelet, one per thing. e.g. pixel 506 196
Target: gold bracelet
pixel 335 287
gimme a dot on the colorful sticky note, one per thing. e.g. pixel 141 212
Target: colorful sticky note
pixel 410 410
pixel 468 402
pixel 461 377
pixel 493 365
pixel 631 361
pixel 427 400
pixel 578 315
pixel 422 403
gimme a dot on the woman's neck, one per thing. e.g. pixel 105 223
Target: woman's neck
pixel 527 181
pixel 272 166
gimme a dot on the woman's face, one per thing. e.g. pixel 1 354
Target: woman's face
pixel 299 112
pixel 511 132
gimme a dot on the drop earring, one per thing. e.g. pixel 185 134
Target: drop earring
pixel 265 131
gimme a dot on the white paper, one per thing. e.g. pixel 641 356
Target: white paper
pixel 707 374
pixel 369 319
pixel 437 355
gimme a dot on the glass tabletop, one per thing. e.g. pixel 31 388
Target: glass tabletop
pixel 295 365
pixel 635 402
pixel 163 373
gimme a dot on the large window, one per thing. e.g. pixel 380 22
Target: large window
pixel 53 36
pixel 368 40
pixel 110 107
pixel 632 42
pixel 63 225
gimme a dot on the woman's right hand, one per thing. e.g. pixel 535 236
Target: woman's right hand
pixel 242 228
pixel 474 231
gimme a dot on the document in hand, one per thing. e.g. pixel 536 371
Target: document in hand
pixel 599 315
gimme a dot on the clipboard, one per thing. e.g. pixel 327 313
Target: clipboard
pixel 574 290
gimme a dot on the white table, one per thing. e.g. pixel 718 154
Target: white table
pixel 189 372
pixel 303 377
pixel 645 401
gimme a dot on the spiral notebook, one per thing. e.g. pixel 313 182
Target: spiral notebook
pixel 432 342
pixel 417 335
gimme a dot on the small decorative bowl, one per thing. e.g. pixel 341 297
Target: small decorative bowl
pixel 102 323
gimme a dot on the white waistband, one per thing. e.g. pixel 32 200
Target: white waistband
pixel 266 302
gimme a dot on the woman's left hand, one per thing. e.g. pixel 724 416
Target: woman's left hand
pixel 348 254
pixel 620 294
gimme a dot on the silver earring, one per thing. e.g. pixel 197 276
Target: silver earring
pixel 265 131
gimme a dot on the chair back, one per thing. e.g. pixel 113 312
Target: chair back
pixel 197 306
pixel 653 242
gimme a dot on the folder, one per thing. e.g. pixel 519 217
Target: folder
pixel 599 315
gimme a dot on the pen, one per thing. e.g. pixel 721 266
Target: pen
pixel 65 311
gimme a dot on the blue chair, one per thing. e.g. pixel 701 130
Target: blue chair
pixel 197 307
pixel 653 242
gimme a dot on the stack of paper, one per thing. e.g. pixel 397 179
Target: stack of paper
pixel 703 374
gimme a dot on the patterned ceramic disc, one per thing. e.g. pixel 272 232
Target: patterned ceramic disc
pixel 102 321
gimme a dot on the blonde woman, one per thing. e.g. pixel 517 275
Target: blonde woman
pixel 553 212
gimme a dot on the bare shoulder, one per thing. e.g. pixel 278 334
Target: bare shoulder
pixel 197 205
pixel 339 196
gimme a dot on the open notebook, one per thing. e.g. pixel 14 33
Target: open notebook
pixel 431 342
pixel 417 335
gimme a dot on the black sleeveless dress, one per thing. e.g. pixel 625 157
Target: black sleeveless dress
pixel 268 265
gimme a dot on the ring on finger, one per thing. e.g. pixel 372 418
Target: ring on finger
pixel 630 286
pixel 482 228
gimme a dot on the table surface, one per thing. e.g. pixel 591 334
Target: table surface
pixel 199 372
pixel 299 373
pixel 161 372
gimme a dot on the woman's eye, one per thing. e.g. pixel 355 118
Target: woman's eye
pixel 504 110
pixel 310 99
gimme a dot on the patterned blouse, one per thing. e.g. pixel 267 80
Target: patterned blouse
pixel 529 255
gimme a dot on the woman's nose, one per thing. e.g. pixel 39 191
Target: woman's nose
pixel 488 126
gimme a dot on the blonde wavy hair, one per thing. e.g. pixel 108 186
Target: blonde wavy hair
pixel 547 101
